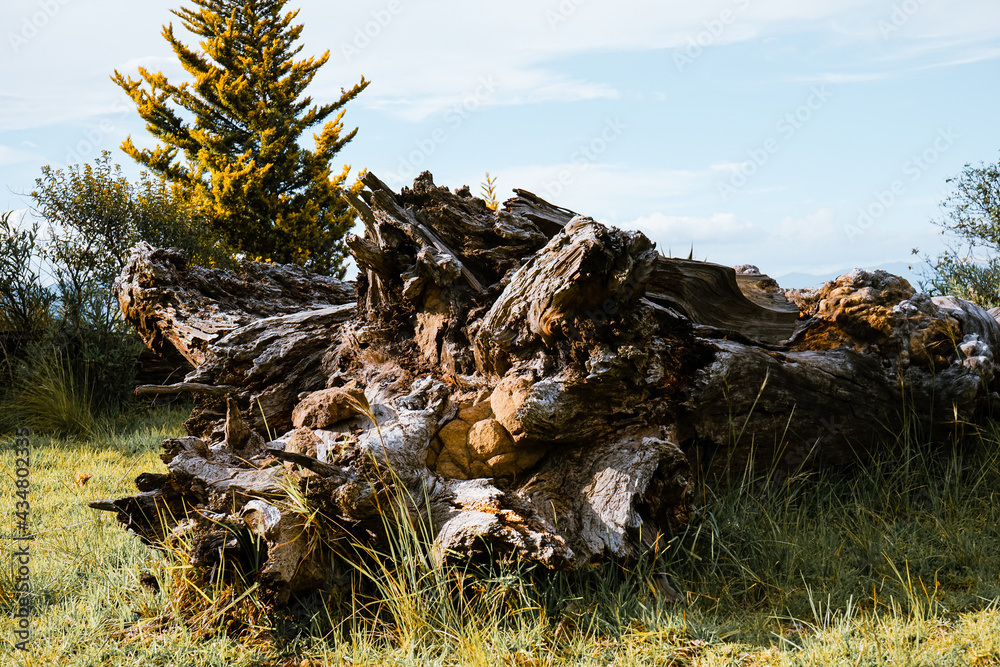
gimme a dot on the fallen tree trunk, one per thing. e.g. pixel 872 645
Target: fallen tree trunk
pixel 525 381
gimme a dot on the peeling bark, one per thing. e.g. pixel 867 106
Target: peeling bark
pixel 526 381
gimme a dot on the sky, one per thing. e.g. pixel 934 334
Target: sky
pixel 806 138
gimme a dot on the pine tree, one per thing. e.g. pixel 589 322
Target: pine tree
pixel 240 158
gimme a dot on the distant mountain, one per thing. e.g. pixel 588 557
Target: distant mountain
pixel 802 280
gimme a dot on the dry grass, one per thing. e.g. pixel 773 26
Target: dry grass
pixel 896 565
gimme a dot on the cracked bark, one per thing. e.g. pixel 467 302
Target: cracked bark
pixel 528 381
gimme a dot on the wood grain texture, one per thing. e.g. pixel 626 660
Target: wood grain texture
pixel 525 382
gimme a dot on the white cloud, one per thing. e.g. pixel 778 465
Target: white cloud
pixel 811 231
pixel 960 55
pixel 428 55
pixel 813 243
pixel 23 219
pixel 168 65
pixel 729 167
pixel 10 155
pixel 46 107
pixel 501 86
pixel 606 192
pixel 520 40
pixel 681 231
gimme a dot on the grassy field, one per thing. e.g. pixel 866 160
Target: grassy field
pixel 896 564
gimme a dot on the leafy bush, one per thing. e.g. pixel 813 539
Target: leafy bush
pixel 166 218
pixel 24 303
pixel 62 332
pixel 972 213
pixel 966 276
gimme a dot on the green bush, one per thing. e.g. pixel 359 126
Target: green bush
pixel 166 218
pixel 61 330
pixel 24 302
pixel 972 213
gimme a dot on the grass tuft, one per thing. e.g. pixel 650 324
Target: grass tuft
pixel 50 397
pixel 892 564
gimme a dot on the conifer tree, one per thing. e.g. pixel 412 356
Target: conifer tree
pixel 230 138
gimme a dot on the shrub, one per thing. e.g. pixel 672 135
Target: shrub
pixel 972 213
pixel 63 331
pixel 24 303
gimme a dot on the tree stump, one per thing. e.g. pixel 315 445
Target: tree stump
pixel 530 382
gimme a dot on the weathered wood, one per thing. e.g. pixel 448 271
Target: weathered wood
pixel 179 387
pixel 550 219
pixel 710 294
pixel 309 463
pixel 238 330
pixel 525 381
pixel 178 307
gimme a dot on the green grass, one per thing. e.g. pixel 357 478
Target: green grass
pixel 50 398
pixel 895 563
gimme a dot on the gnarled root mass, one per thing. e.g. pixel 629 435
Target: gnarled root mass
pixel 524 382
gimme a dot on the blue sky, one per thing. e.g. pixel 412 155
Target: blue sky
pixel 800 137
